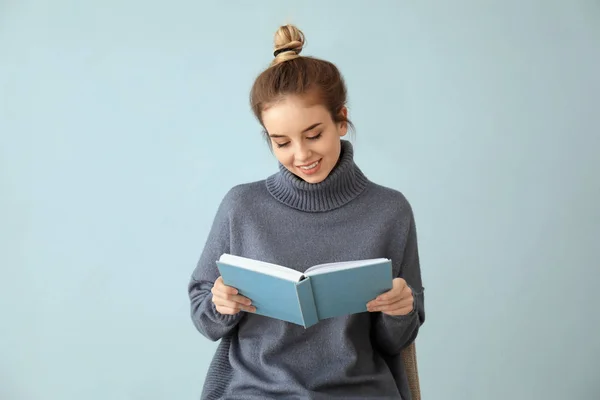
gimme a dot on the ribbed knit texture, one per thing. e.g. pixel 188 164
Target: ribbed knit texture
pixel 287 221
pixel 345 182
pixel 219 372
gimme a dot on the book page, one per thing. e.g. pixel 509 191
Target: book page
pixel 266 268
pixel 343 265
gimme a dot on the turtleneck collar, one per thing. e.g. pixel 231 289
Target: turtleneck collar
pixel 344 183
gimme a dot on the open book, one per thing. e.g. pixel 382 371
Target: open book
pixel 323 291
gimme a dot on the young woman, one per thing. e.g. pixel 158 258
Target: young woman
pixel 319 207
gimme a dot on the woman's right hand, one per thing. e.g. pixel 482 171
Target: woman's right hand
pixel 228 301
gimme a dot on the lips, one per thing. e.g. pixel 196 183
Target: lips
pixel 309 165
pixel 311 168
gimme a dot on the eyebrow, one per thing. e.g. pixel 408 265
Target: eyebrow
pixel 310 128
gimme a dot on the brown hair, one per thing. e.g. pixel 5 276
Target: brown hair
pixel 292 74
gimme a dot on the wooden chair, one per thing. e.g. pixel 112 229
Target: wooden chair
pixel 409 358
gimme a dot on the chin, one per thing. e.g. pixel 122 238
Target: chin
pixel 314 175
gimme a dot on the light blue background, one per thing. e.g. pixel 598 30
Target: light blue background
pixel 123 123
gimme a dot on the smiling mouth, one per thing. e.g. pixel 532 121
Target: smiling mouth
pixel 310 166
pixel 311 169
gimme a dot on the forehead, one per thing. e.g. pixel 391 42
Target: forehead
pixel 292 115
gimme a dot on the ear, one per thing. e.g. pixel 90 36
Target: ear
pixel 343 126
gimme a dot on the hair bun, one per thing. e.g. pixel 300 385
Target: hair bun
pixel 289 42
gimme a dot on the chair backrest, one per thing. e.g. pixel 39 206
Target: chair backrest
pixel 409 357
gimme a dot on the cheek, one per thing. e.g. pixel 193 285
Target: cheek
pixel 283 157
pixel 331 147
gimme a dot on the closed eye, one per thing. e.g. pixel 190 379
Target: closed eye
pixel 317 136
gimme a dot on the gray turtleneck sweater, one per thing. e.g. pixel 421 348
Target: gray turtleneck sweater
pixel 288 221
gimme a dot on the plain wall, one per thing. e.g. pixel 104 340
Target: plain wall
pixel 123 123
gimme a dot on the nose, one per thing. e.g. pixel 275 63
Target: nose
pixel 303 153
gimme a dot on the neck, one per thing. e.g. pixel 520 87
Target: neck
pixel 344 183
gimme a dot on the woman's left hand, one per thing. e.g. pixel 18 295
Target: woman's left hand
pixel 397 301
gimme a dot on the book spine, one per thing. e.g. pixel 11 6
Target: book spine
pixel 307 302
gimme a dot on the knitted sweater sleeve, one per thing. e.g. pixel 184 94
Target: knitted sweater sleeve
pixel 394 333
pixel 205 316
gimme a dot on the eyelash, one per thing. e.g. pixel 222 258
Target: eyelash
pixel 309 138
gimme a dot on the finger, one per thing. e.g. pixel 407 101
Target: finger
pixel 223 288
pixel 397 296
pixel 399 291
pixel 382 301
pixel 227 310
pixel 402 307
pixel 242 300
pixel 400 311
pixel 399 284
pixel 406 302
pixel 219 301
pixel 393 293
pixel 235 298
pixel 388 300
pixel 225 295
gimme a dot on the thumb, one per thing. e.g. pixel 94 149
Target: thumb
pixel 399 283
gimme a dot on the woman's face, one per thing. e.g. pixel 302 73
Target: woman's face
pixel 304 137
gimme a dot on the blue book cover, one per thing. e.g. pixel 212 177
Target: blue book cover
pixel 346 288
pixel 323 291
